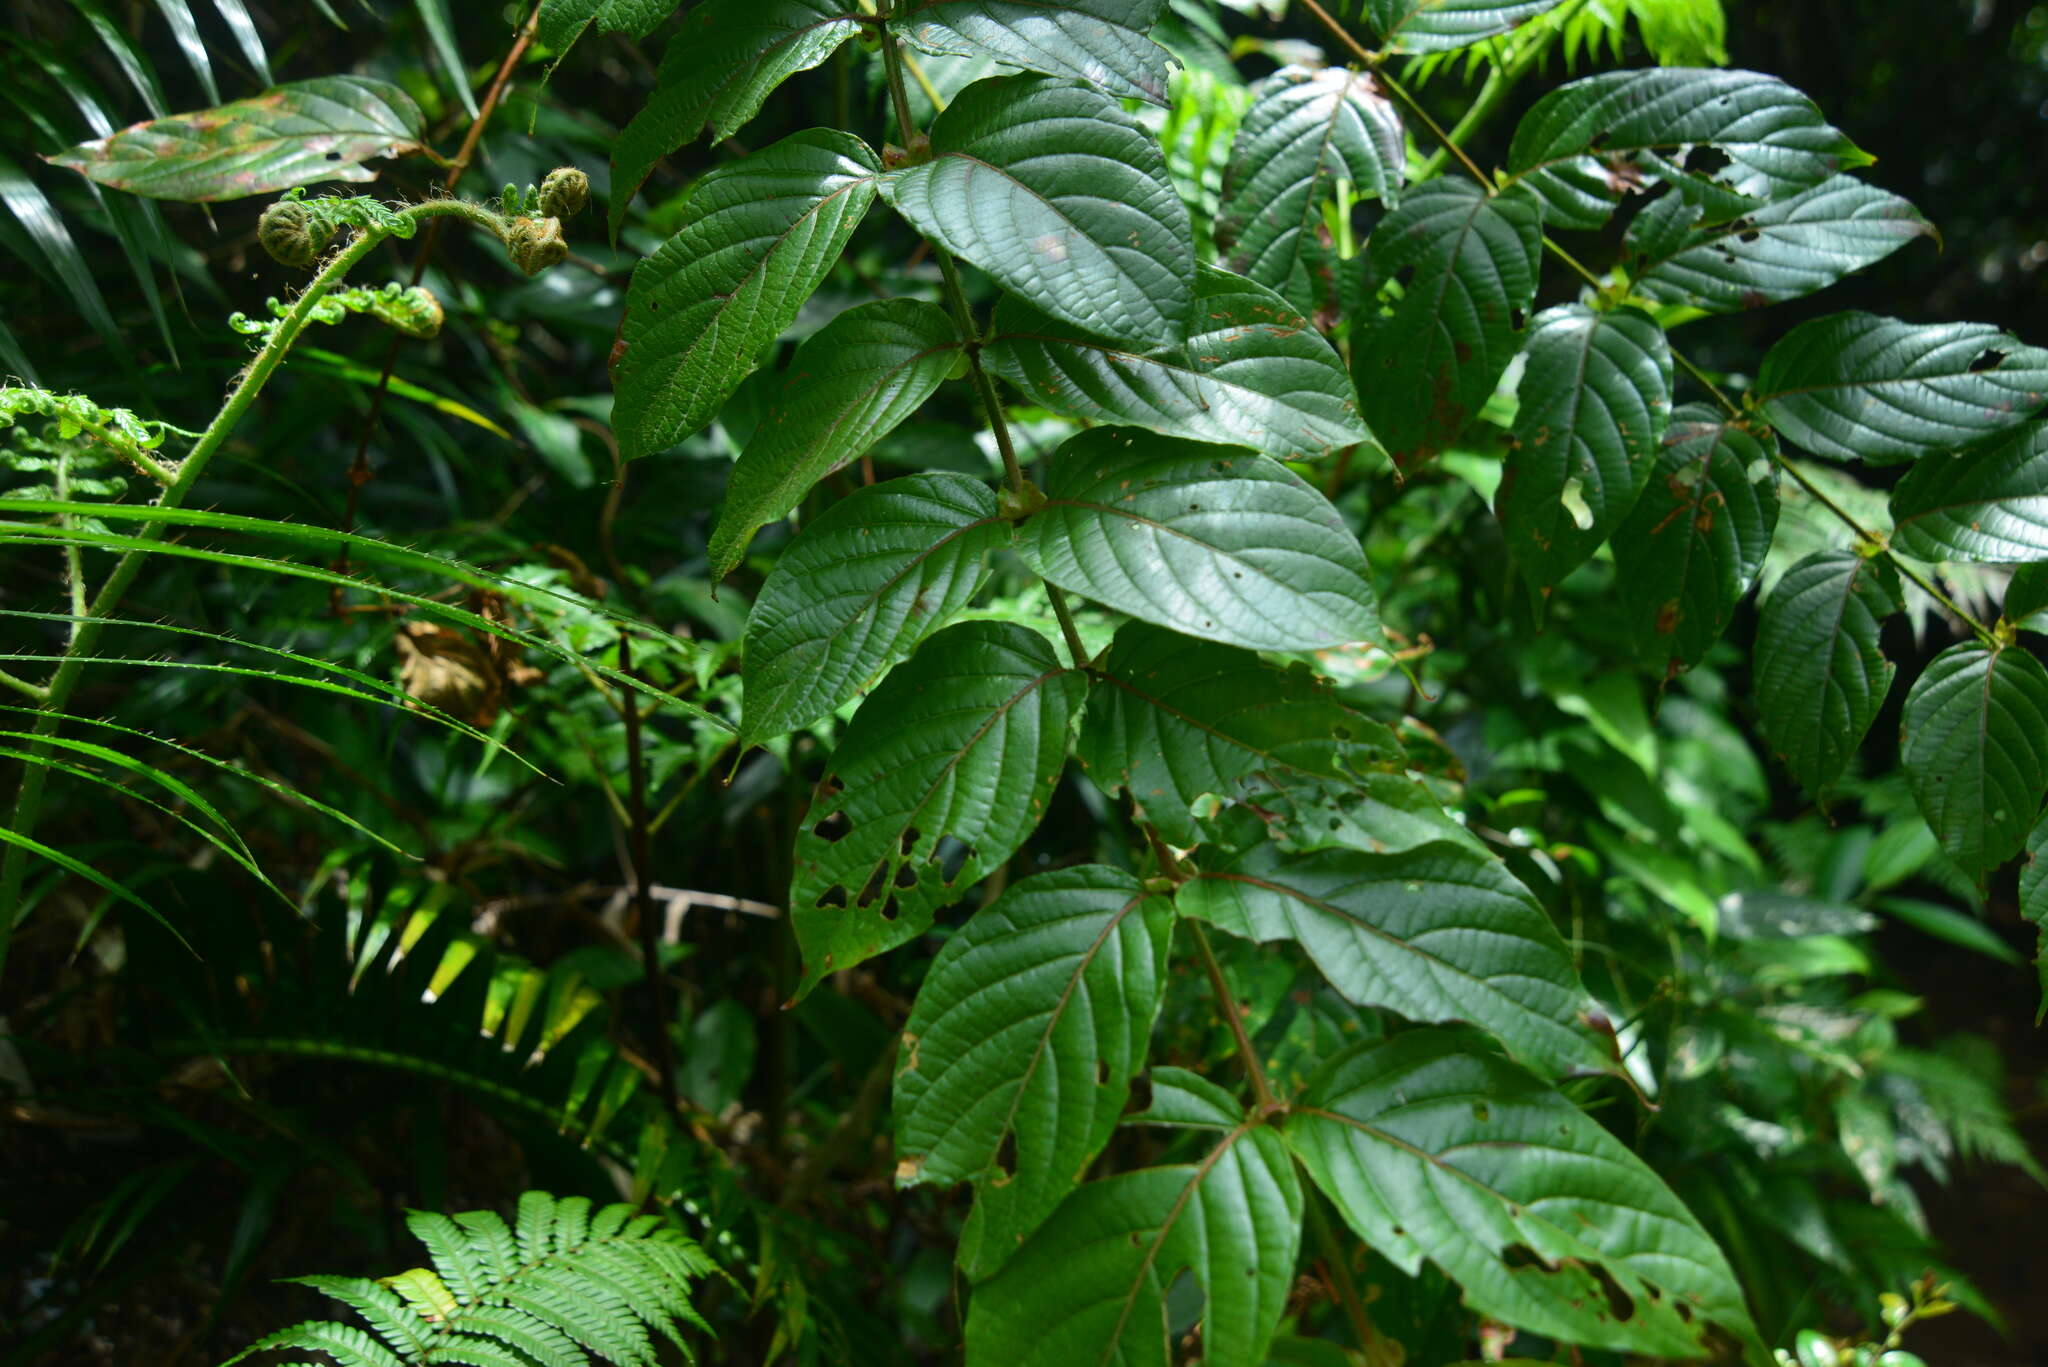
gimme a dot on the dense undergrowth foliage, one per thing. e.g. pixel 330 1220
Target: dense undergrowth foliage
pixel 1072 683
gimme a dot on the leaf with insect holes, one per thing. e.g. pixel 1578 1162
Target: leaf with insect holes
pixel 1433 1148
pixel 296 134
pixel 1466 266
pixel 943 772
pixel 756 236
pixel 848 386
pixel 1695 542
pixel 1589 142
pixel 1251 373
pixel 1986 505
pixel 1101 42
pixel 1216 543
pixel 1974 745
pixel 1304 132
pixel 1441 25
pixel 1020 1050
pixel 1064 200
pixel 1171 718
pixel 857 589
pixel 1595 400
pixel 1818 673
pixel 1854 386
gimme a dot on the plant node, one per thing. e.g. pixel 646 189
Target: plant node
pixel 534 244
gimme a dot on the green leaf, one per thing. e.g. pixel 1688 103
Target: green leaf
pixel 2034 903
pixel 1441 25
pixel 1063 198
pixel 1437 932
pixel 1586 143
pixel 2026 594
pixel 1171 718
pixel 1467 263
pixel 848 386
pixel 1090 1288
pixel 1695 542
pixel 720 68
pixel 561 22
pixel 944 770
pixel 757 236
pixel 1988 505
pixel 1432 1148
pixel 1304 132
pixel 1818 673
pixel 1854 386
pixel 24 199
pixel 1251 373
pixel 1595 400
pixel 1216 543
pixel 295 134
pixel 1101 42
pixel 858 589
pixel 1974 745
pixel 1021 1048
pixel 1785 249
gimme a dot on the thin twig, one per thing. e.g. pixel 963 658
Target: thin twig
pixel 1261 1088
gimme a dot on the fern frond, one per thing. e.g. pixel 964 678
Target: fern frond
pixel 400 1325
pixel 347 1345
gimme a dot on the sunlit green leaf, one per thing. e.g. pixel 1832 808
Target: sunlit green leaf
pixel 1101 42
pixel 1988 504
pixel 1974 746
pixel 1819 675
pixel 1440 25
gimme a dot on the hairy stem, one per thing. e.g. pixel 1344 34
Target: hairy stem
pixel 1499 84
pixel 1346 1290
pixel 1261 1088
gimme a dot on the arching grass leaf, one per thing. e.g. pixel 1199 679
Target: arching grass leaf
pixel 1441 25
pixel 1215 543
pixel 1986 505
pixel 1819 675
pixel 945 769
pixel 859 588
pixel 1090 1288
pixel 1785 249
pixel 1695 542
pixel 1436 932
pixel 848 386
pixel 45 227
pixel 1101 42
pixel 1021 1048
pixel 1434 1149
pixel 294 134
pixel 1171 718
pixel 1304 132
pixel 757 236
pixel 440 27
pixel 235 14
pixel 1467 265
pixel 719 69
pixel 1588 142
pixel 1974 746
pixel 1063 198
pixel 178 14
pixel 1595 400
pixel 1854 386
pixel 1251 373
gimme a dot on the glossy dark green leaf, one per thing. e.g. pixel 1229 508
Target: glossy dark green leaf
pixel 1434 1149
pixel 1596 396
pixel 1021 1048
pixel 1251 373
pixel 561 22
pixel 718 70
pixel 1588 142
pixel 1987 505
pixel 295 134
pixel 1819 675
pixel 1974 745
pixel 756 237
pixel 1854 386
pixel 945 769
pixel 848 386
pixel 1091 1286
pixel 2034 903
pixel 1101 42
pixel 1063 198
pixel 859 588
pixel 1695 541
pixel 1206 540
pixel 2026 594
pixel 1436 932
pixel 1171 718
pixel 1785 249
pixel 1305 131
pixel 1467 265
pixel 1440 25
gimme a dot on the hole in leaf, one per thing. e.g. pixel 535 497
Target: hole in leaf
pixel 833 828
pixel 1707 161
pixel 877 883
pixel 889 908
pixel 835 897
pixel 906 876
pixel 1102 1072
pixel 1519 1256
pixel 951 856
pixel 1989 359
pixel 1684 1310
pixel 1141 1094
pixel 908 842
pixel 1006 1154
pixel 1404 276
pixel 1618 1300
